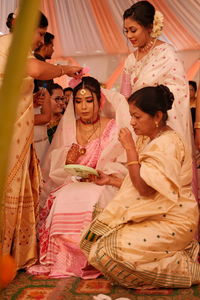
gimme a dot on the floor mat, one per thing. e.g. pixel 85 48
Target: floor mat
pixel 29 287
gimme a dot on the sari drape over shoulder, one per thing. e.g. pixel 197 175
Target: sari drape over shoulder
pixel 150 242
pixel 162 66
pixel 23 177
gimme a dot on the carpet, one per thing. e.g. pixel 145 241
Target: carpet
pixel 29 287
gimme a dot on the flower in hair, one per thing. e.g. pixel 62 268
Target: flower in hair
pixel 157 24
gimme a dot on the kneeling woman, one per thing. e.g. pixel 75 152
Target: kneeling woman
pixel 83 137
pixel 145 237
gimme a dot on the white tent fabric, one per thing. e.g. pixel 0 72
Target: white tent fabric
pixel 91 30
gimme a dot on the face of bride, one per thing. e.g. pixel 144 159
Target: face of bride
pixel 86 105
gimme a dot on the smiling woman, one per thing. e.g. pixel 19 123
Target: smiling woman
pixel 154 62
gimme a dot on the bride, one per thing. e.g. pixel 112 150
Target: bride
pixel 84 137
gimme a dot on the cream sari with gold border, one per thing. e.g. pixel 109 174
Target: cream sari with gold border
pixel 22 186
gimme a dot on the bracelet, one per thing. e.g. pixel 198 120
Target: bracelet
pixel 62 71
pixel 134 162
pixel 196 125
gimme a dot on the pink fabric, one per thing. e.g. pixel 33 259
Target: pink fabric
pixel 74 82
pixel 67 212
pixel 126 88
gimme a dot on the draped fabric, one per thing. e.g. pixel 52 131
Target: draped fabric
pixel 161 66
pixel 94 28
pixel 139 241
pixel 23 177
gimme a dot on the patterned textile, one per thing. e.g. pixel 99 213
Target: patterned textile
pixel 161 66
pixel 26 286
pixel 67 212
pixel 23 177
pixel 149 242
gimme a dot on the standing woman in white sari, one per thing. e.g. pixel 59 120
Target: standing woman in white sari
pixel 155 62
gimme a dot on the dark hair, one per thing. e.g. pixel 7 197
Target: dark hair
pixel 91 84
pixel 68 89
pixel 43 22
pixel 153 99
pixel 9 21
pixel 48 38
pixel 193 84
pixel 142 12
pixel 54 86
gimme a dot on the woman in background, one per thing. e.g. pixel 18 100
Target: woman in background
pixel 57 105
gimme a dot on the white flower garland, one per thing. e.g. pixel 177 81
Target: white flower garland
pixel 157 24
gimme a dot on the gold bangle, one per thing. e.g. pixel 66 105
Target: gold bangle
pixel 134 162
pixel 62 71
pixel 196 125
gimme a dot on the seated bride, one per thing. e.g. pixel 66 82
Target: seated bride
pixel 85 138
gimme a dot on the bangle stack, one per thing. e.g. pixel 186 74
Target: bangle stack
pixel 196 125
pixel 134 162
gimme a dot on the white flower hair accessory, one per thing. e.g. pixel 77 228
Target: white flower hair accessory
pixel 157 24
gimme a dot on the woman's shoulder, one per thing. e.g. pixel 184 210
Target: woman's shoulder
pixel 163 48
pixel 172 138
pixel 162 142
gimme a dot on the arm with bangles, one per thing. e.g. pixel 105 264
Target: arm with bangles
pixel 125 137
pixel 197 121
pixel 44 71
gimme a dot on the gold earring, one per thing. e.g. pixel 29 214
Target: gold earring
pixel 156 124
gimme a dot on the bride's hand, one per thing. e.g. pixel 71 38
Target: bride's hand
pixel 102 179
pixel 73 154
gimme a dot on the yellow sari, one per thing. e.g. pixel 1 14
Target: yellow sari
pixel 150 242
pixel 23 177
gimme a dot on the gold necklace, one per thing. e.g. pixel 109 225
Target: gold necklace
pixel 138 70
pixel 161 131
pixel 147 47
pixel 88 138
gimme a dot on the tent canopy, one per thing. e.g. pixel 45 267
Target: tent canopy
pixel 88 28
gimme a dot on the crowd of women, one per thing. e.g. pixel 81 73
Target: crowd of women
pixel 136 222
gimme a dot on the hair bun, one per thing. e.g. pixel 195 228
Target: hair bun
pixel 167 95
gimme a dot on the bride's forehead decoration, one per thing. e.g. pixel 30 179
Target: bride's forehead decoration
pixel 83 91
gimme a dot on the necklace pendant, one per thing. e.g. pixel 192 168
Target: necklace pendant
pixel 135 79
pixel 82 151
